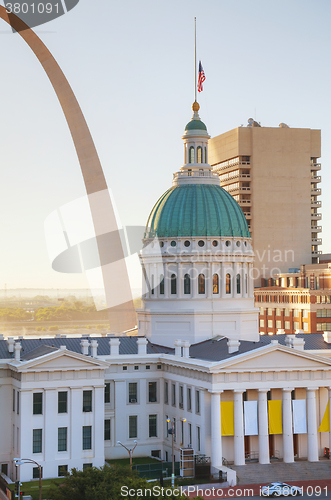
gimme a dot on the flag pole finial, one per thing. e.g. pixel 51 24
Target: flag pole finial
pixel 195 59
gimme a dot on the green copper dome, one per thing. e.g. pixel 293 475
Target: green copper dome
pixel 196 210
pixel 196 125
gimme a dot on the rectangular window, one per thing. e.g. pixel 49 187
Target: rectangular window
pixel 278 312
pixel 152 392
pixel 287 312
pixel 305 327
pixel 62 470
pixel 270 323
pixel 14 396
pixel 62 433
pixel 305 313
pixel 87 437
pixel 173 398
pixel 167 425
pixel 182 432
pixel 166 393
pixel 287 325
pixel 189 399
pixel 133 426
pixel 296 313
pixel 133 398
pixel 152 426
pixel 198 438
pixel 107 392
pixel 181 396
pixel 278 324
pixel 296 325
pixel 35 472
pixel 37 441
pixel 62 402
pixel 18 403
pixel 107 429
pixel 197 402
pixel 87 401
pixel 37 403
pixel 87 466
pixel 190 434
pixel 270 311
pixel 262 322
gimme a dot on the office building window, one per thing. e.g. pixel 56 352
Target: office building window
pixel 62 470
pixel 87 401
pixel 35 472
pixel 107 392
pixel 87 437
pixel 262 322
pixel 62 439
pixel 305 313
pixel 133 397
pixel 278 312
pixel 166 393
pixel 287 325
pixel 107 429
pixel 173 398
pixel 198 439
pixel 296 313
pixel 305 327
pixel 190 434
pixel 62 402
pixel 152 392
pixel 189 399
pixel 270 323
pixel 152 426
pixel 37 403
pixel 37 441
pixel 181 396
pixel 296 325
pixel 278 324
pixel 197 402
pixel 87 466
pixel 270 311
pixel 133 420
pixel 287 312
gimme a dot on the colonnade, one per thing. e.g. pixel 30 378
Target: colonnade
pixel 263 426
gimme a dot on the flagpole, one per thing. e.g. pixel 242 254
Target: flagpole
pixel 195 58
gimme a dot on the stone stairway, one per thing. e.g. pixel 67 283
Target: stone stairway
pixel 255 473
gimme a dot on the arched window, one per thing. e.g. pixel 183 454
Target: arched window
pixel 238 283
pixel 173 287
pixel 215 283
pixel 152 284
pixel 246 283
pixel 187 284
pixel 228 283
pixel 191 155
pixel 206 155
pixel 199 154
pixel 202 283
pixel 161 284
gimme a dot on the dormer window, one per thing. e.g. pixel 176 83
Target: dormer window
pixel 191 155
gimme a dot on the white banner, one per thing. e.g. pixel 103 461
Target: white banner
pixel 299 416
pixel 250 414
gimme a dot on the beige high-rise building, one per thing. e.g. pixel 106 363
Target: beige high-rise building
pixel 273 173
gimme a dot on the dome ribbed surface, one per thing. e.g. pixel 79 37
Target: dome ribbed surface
pixel 196 210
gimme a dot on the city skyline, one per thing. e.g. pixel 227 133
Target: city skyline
pixel 259 61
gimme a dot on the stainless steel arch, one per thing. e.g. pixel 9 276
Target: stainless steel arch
pixel 122 317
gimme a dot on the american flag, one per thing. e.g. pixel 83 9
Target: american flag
pixel 201 78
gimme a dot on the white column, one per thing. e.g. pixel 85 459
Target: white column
pixel 264 457
pixel 312 424
pixel 330 417
pixel 98 430
pixel 288 452
pixel 239 442
pixel 216 436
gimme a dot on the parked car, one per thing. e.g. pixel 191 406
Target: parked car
pixel 280 489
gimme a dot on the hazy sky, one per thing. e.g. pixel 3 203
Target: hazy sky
pixel 131 66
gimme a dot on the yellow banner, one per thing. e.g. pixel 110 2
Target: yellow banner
pixel 325 424
pixel 275 417
pixel 227 421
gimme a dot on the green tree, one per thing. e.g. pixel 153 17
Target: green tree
pixel 108 483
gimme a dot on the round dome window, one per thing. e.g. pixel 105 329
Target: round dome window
pixel 228 243
pixel 173 243
pixel 187 243
pixel 215 243
pixel 161 244
pixel 201 243
pixel 238 243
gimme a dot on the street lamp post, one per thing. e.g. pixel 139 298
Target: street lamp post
pixel 129 450
pixel 172 432
pixel 21 461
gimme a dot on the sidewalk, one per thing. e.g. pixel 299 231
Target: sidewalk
pixel 217 491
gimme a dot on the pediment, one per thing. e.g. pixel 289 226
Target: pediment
pixel 279 358
pixel 62 360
